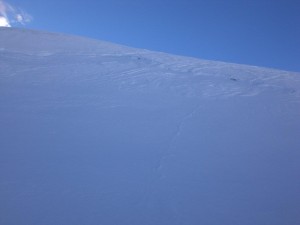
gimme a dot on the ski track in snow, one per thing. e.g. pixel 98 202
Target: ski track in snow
pixel 169 151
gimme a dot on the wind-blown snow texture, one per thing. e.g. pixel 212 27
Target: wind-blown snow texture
pixel 95 133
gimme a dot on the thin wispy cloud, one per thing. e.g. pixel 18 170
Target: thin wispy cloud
pixel 10 15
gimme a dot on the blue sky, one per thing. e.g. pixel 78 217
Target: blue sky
pixel 257 32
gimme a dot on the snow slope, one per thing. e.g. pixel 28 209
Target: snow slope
pixel 96 133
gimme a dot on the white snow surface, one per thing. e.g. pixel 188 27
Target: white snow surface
pixel 96 133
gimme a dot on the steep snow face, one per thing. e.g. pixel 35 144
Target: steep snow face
pixel 97 133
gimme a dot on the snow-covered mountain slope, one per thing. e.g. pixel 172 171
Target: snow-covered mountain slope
pixel 96 133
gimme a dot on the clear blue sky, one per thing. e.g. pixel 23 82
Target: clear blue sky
pixel 256 32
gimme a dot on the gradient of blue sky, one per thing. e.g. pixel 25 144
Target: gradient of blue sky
pixel 256 32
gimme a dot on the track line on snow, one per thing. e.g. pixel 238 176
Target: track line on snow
pixel 173 140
